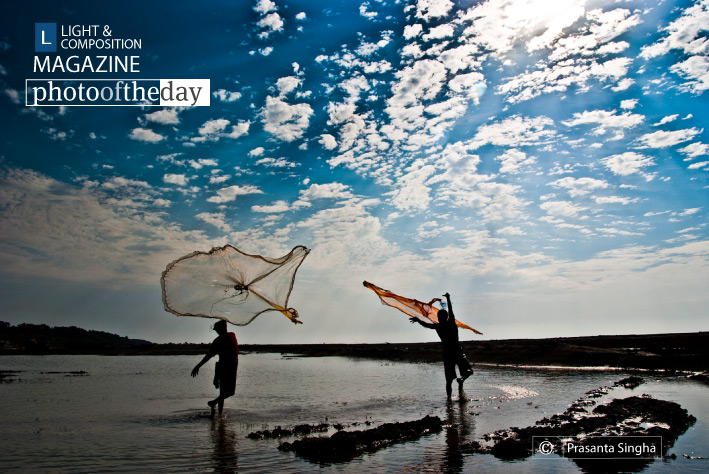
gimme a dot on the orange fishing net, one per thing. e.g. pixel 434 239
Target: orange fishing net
pixel 414 308
pixel 228 284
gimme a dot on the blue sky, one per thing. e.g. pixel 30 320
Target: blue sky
pixel 544 162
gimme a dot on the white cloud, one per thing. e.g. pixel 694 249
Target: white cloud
pixel 202 162
pixel 699 165
pixel 471 85
pixel 276 163
pixel 271 23
pixel 367 48
pixel 687 34
pixel 421 81
pixel 412 31
pixel 562 208
pixel 178 179
pixel 516 131
pixel 363 10
pixel 511 230
pixel 286 85
pixel 605 119
pixel 462 186
pixel 118 182
pixel 60 135
pixel 616 231
pixel 576 59
pixel 412 191
pixel 145 135
pixel 690 212
pixel 326 191
pixel 328 141
pixel 275 208
pixel 579 186
pixel 498 26
pixel 623 84
pixel 439 32
pixel 694 150
pixel 560 76
pixel 628 104
pixel 666 119
pixel 226 96
pixel 614 200
pixel 216 219
pixel 664 139
pixel 627 163
pixel 285 121
pixel 347 236
pixel 513 160
pixel 265 6
pixel 428 10
pixel 696 69
pixel 166 116
pixel 230 193
pixel 218 179
pixel 213 127
pixel 13 95
pixel 85 234
pixel 213 130
pixel 238 130
pixel 467 56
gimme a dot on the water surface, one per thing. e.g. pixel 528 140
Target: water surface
pixel 146 414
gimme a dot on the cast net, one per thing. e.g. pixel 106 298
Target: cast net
pixel 226 283
pixel 413 308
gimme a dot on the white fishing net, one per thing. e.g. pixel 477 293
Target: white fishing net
pixel 228 284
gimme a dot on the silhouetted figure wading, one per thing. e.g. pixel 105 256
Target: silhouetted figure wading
pixel 452 352
pixel 225 371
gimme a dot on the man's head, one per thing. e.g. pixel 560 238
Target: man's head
pixel 220 326
pixel 442 315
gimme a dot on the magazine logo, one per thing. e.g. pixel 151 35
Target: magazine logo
pixel 117 92
pixel 89 51
pixel 45 37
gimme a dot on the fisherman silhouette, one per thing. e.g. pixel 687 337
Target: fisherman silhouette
pixel 225 371
pixel 452 352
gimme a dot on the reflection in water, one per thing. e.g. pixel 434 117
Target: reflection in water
pixel 224 456
pixel 460 426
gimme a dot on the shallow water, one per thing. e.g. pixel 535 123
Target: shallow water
pixel 146 414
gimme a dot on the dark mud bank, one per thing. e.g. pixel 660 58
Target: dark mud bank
pixel 627 417
pixel 344 446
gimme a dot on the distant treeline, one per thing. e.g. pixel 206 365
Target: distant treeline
pixel 43 339
pixel 673 351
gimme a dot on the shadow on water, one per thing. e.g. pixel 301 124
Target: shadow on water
pixel 224 453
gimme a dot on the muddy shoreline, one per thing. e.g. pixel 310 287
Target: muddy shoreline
pixel 640 421
pixel 687 351
pixel 678 351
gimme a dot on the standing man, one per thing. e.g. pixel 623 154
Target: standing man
pixel 225 372
pixel 452 352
